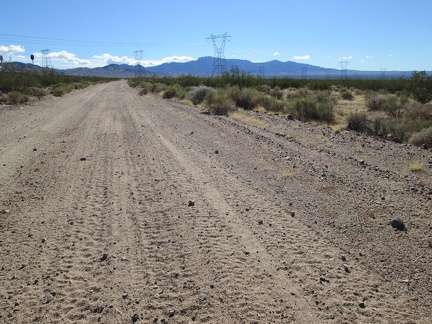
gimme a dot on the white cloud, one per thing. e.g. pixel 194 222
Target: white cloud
pixel 113 59
pixel 276 53
pixel 66 57
pixel 11 49
pixel 304 57
pixel 345 58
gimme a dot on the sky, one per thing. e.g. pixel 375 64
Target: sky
pixel 366 35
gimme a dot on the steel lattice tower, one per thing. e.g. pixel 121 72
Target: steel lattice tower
pixel 139 69
pixel 46 60
pixel 344 65
pixel 219 63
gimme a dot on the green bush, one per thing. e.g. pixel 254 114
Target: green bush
pixel 424 137
pixel 316 108
pixel 218 102
pixel 198 94
pixel 37 92
pixel 15 98
pixel 375 101
pixel 247 98
pixel 358 122
pixel 175 91
pixel 346 95
pixel 276 93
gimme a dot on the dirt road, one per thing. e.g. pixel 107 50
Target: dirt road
pixel 117 208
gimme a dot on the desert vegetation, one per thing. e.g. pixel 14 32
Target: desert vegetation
pixel 398 110
pixel 17 87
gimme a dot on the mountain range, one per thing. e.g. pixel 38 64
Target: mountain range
pixel 203 67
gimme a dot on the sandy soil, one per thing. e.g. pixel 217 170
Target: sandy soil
pixel 116 208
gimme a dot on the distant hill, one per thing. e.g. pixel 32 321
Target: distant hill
pixel 202 67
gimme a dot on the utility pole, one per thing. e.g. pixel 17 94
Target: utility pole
pixel 46 60
pixel 219 63
pixel 139 69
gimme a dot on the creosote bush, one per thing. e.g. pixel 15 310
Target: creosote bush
pixel 358 122
pixel 175 91
pixel 424 137
pixel 198 94
pixel 15 98
pixel 218 102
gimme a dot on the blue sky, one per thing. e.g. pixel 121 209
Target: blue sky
pixel 368 34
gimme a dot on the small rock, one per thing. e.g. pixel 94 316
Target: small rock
pixel 347 269
pixel 323 279
pixel 135 318
pixel 343 258
pixel 83 159
pixel 362 305
pixel 4 211
pixel 202 297
pixel 216 152
pixel 35 149
pixel 171 313
pixel 292 214
pixel 104 257
pixel 125 295
pixel 191 203
pixel 398 224
pixel 362 162
pixel 260 222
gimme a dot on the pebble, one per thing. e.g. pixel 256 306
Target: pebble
pixel 398 224
pixel 347 269
pixel 171 313
pixel 135 318
pixel 83 159
pixel 104 257
pixel 362 305
pixel 124 295
pixel 191 203
pixel 203 297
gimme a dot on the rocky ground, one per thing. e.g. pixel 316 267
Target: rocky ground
pixel 117 208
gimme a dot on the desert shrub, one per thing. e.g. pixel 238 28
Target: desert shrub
pixel 392 106
pixel 15 98
pixel 358 122
pixel 346 94
pixel 279 106
pixel 420 87
pixel 198 94
pixel 218 102
pixel 37 92
pixel 61 89
pixel 375 101
pixel 175 91
pixel 310 108
pixel 247 98
pixel 398 129
pixel 276 93
pixel 158 87
pixel 266 101
pixel 264 88
pixel 424 137
pixel 418 111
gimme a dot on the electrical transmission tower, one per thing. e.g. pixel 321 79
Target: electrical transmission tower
pixel 344 65
pixel 262 72
pixel 219 63
pixel 139 69
pixel 304 72
pixel 383 71
pixel 46 60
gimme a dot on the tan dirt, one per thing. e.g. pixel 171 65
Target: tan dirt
pixel 116 208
